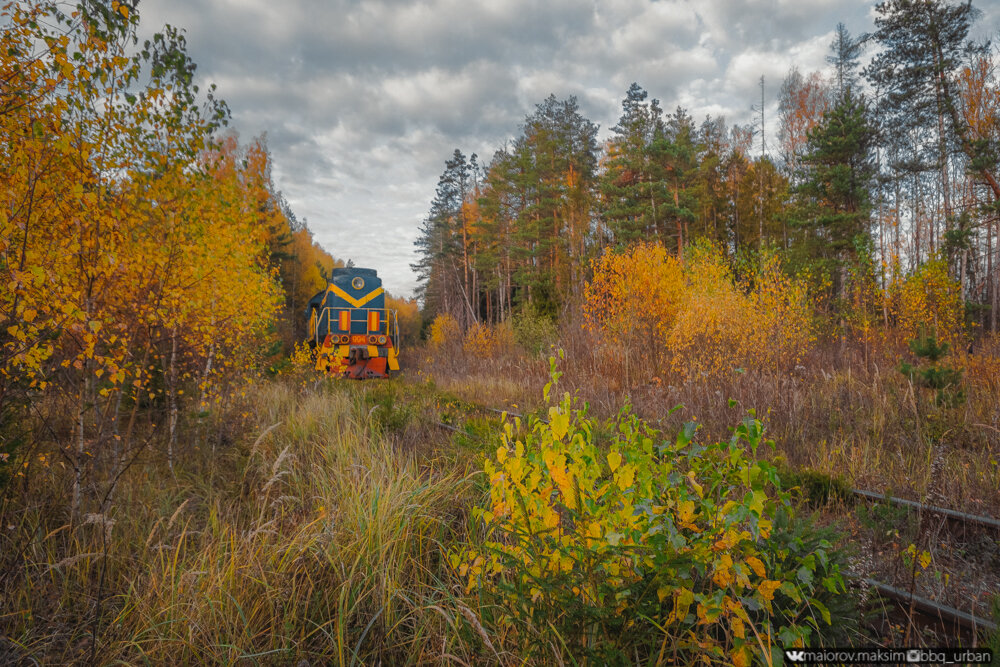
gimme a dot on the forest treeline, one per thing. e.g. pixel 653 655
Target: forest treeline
pixel 147 260
pixel 883 169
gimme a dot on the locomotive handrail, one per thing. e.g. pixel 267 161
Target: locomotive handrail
pixel 395 330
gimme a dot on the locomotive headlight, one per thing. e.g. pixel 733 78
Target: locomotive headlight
pixel 381 340
pixel 344 338
pixel 371 340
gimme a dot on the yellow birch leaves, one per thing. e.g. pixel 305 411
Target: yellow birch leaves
pixel 696 317
pixel 128 235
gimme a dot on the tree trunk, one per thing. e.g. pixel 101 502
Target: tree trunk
pixel 680 230
pixel 943 149
pixel 204 390
pixel 78 459
pixel 881 246
pixel 172 400
pixel 992 231
pixel 959 127
pixel 916 221
pixel 465 252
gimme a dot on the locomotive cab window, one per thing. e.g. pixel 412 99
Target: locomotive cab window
pixel 357 282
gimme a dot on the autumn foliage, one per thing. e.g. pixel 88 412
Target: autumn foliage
pixel 485 342
pixel 697 317
pixel 664 548
pixel 636 295
pixel 409 318
pixel 444 331
pixel 928 298
pixel 136 246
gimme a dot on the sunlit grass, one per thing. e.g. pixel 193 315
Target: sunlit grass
pixel 316 539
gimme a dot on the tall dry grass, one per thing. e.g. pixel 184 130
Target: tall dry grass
pixel 311 538
pixel 843 409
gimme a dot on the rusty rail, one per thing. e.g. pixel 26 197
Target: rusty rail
pixel 929 607
pixel 986 521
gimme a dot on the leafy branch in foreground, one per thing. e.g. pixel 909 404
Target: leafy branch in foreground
pixel 651 548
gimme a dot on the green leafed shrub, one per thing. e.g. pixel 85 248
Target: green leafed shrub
pixel 533 331
pixel 815 486
pixel 651 549
pixel 944 380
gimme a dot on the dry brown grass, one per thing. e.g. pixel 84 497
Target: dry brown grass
pixel 845 410
pixel 307 527
pixel 314 539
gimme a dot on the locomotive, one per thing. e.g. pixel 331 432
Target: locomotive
pixel 351 332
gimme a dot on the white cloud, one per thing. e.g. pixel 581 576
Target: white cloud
pixel 363 100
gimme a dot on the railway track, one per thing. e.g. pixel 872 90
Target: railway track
pixel 944 616
pixel 948 617
pixel 953 515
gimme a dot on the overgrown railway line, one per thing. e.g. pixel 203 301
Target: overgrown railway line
pixel 915 608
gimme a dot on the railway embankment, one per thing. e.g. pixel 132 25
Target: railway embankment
pixel 338 522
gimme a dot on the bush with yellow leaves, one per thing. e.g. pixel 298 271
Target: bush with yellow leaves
pixel 781 328
pixel 635 295
pixel 488 342
pixel 303 357
pixel 761 319
pixel 697 317
pixel 652 548
pixel 712 332
pixel 928 298
pixel 633 302
pixel 444 331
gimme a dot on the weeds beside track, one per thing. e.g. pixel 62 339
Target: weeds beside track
pixel 960 591
pixel 318 532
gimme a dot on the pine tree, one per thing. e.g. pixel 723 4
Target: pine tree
pixel 673 154
pixel 834 194
pixel 439 242
pixel 551 170
pixel 711 203
pixel 930 373
pixel 631 192
pixel 925 45
pixel 845 54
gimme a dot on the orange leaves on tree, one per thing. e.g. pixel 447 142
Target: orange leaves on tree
pixel 698 318
pixel 634 297
pixel 444 331
pixel 802 102
pixel 484 341
pixel 130 243
pixel 979 99
pixel 408 317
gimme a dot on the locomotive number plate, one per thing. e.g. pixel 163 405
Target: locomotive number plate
pixel 359 339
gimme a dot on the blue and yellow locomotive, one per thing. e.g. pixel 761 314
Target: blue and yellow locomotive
pixel 350 330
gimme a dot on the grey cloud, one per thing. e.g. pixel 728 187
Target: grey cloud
pixel 362 101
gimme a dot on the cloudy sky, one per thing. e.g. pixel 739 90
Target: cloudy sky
pixel 362 101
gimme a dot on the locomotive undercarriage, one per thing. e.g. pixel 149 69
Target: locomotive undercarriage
pixel 356 362
pixel 360 366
